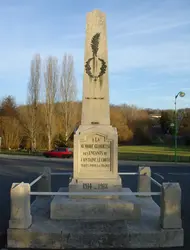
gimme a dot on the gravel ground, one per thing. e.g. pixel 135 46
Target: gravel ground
pixel 17 169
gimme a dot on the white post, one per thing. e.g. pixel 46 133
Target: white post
pixel 44 184
pixel 170 207
pixel 144 182
pixel 20 206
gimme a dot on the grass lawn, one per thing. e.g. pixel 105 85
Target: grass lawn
pixel 15 152
pixel 153 153
pixel 137 153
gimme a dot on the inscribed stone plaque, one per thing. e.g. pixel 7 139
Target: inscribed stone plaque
pixel 95 152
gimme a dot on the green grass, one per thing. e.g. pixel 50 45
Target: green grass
pixel 14 152
pixel 137 153
pixel 153 153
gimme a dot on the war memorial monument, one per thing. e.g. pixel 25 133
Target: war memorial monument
pixel 95 211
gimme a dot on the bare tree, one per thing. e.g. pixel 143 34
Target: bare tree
pixel 67 96
pixel 25 122
pixel 33 99
pixel 51 80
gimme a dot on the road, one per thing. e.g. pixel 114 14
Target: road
pixel 25 168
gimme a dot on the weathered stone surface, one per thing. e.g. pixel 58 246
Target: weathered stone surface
pixel 95 185
pixel 172 237
pixel 95 102
pixel 96 159
pixel 20 206
pixel 148 233
pixel 170 216
pixel 166 238
pixel 59 234
pixel 95 153
pixel 31 239
pixel 144 182
pixel 44 184
pixel 95 209
pixel 95 141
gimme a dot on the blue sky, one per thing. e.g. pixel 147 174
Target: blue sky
pixel 148 46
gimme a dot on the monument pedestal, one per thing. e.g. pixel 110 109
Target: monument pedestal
pixel 47 233
pixel 96 156
pixel 123 208
pixel 95 185
pixel 95 161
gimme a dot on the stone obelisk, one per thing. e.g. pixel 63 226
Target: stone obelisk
pixel 95 141
pixel 95 103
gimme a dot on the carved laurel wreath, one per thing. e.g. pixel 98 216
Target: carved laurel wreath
pixel 95 48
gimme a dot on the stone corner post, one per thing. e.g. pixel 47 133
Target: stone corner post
pixel 170 206
pixel 144 182
pixel 20 206
pixel 44 184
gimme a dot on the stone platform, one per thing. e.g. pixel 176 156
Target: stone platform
pixel 59 234
pixel 125 207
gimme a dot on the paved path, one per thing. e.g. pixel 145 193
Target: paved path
pixel 26 168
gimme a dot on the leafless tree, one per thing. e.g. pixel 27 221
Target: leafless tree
pixel 33 99
pixel 51 80
pixel 67 95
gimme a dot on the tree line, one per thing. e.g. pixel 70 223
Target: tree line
pixel 45 125
pixel 52 112
pixel 49 110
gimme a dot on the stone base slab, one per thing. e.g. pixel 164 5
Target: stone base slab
pixel 20 223
pixel 45 233
pixel 127 207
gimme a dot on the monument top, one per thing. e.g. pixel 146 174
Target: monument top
pixel 95 102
